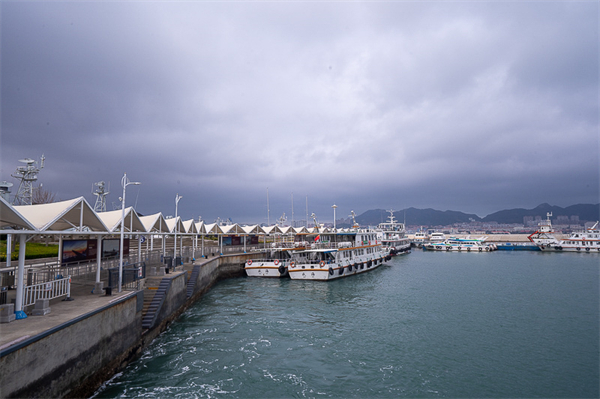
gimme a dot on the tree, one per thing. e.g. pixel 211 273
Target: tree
pixel 42 196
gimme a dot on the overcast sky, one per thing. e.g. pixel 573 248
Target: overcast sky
pixel 468 106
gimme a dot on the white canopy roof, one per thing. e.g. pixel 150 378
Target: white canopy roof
pixel 213 228
pixel 272 229
pixel 154 223
pixel 232 229
pixel 254 229
pixel 112 220
pixel 200 227
pixel 74 214
pixel 300 230
pixel 287 229
pixel 173 223
pixel 10 217
pixel 190 226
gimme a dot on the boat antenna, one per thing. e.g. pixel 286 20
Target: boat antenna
pixel 353 216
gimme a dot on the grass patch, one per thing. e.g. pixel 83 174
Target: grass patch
pixel 33 250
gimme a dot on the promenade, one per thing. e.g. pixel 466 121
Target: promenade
pixel 84 301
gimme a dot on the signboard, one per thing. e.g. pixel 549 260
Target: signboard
pixel 110 247
pixel 81 250
pixel 78 250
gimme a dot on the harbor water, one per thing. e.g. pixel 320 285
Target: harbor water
pixel 426 324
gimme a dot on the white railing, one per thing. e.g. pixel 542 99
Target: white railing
pixel 48 290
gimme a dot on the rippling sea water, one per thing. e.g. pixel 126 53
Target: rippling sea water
pixel 427 324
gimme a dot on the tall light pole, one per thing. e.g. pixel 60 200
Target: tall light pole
pixel 334 206
pixel 177 198
pixel 124 182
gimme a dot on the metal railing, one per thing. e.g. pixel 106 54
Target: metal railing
pixel 48 290
pixel 131 275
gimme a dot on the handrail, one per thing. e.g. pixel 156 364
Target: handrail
pixel 48 290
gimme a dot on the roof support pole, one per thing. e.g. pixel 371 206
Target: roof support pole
pixel 19 314
pixel 8 249
pixel 60 249
pixel 203 245
pixel 139 247
pixel 98 258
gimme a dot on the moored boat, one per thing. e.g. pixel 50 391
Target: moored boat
pixel 338 254
pixel 587 241
pixel 461 245
pixel 277 262
pixel 419 239
pixel 393 237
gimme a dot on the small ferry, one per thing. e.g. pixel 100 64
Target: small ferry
pixel 437 237
pixel 393 237
pixel 277 262
pixel 338 253
pixel 419 239
pixel 461 245
pixel 583 241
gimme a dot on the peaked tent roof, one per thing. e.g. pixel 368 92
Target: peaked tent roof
pixel 112 220
pixel 287 229
pixel 64 215
pixel 300 230
pixel 201 227
pixel 254 229
pixel 213 228
pixel 10 217
pixel 190 226
pixel 171 223
pixel 154 223
pixel 272 229
pixel 232 229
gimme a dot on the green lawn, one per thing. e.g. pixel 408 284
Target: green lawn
pixel 33 250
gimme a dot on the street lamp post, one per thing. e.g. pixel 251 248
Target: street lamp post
pixel 334 206
pixel 124 182
pixel 177 198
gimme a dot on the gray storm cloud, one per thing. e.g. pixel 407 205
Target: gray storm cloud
pixel 467 106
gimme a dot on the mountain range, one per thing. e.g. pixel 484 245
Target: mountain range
pixel 431 217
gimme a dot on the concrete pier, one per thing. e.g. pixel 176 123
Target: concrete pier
pixel 72 350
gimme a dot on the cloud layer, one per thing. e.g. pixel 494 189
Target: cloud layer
pixel 467 106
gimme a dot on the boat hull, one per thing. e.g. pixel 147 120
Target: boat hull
pixel 333 271
pixel 266 269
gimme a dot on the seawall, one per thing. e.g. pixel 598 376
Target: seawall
pixel 76 357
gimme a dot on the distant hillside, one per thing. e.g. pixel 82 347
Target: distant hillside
pixel 587 212
pixel 425 217
pixel 432 217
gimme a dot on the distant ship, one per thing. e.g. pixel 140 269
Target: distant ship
pixel 583 241
pixel 393 237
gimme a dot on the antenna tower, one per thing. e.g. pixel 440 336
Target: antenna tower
pixel 100 205
pixel 27 175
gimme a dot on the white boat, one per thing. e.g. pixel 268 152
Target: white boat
pixel 277 262
pixel 437 237
pixel 419 239
pixel 461 245
pixel 583 241
pixel 393 237
pixel 338 254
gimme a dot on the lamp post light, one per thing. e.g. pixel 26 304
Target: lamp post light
pixel 124 182
pixel 334 206
pixel 177 198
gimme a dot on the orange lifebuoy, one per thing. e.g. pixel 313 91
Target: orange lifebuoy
pixel 292 264
pixel 322 263
pixel 249 262
pixel 276 262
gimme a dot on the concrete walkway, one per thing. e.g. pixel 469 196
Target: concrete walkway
pixel 84 302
